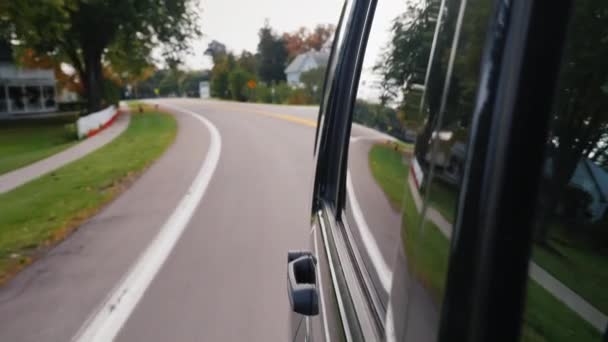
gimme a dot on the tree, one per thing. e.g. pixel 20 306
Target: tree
pixel 86 32
pixel 295 42
pixel 273 56
pixel 404 64
pixel 248 61
pixel 320 35
pixel 579 127
pixel 237 80
pixel 216 50
pixel 30 59
pixel 192 79
pixel 219 76
pixel 303 40
pixel 313 83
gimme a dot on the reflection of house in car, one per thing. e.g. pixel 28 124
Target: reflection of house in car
pixel 450 156
pixel 592 180
pixel 24 91
pixel 304 62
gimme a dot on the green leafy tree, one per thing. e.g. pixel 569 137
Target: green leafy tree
pixel 273 56
pixel 219 76
pixel 216 50
pixel 313 83
pixel 192 79
pixel 237 80
pixel 261 93
pixel 88 33
pixel 282 91
pixel 580 120
pixel 248 61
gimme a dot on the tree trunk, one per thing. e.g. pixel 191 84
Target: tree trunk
pixel 93 80
pixel 562 171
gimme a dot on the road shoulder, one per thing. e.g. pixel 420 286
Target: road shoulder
pixel 51 299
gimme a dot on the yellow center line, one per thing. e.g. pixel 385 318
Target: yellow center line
pixel 286 117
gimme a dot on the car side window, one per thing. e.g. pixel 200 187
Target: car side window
pixel 406 154
pixel 567 298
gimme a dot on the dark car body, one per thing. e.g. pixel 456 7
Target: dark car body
pixel 489 227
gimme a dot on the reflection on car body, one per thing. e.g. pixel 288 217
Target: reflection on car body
pixel 433 121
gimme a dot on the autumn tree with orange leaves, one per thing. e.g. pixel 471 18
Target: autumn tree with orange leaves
pixel 303 39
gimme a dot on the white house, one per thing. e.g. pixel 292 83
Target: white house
pixel 24 91
pixel 304 62
pixel 203 90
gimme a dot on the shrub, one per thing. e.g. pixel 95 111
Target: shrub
pixel 299 96
pixel 237 80
pixel 282 91
pixel 262 93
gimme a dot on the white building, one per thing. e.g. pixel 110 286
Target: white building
pixel 305 62
pixel 24 91
pixel 203 90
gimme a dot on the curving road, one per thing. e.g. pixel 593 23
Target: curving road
pixel 195 250
pixel 223 279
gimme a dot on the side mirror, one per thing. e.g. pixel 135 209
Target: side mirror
pixel 302 283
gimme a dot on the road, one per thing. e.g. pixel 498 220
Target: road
pixel 224 279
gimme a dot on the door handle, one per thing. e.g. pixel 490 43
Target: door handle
pixel 302 282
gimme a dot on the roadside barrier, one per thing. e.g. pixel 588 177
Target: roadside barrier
pixel 94 123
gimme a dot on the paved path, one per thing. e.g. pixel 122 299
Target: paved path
pixel 16 178
pixel 560 291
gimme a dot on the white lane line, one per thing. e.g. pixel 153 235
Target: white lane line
pixel 385 274
pixel 106 322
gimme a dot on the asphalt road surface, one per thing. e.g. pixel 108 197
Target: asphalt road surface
pixel 224 279
pixel 194 250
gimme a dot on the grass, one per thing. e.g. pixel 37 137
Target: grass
pixel 25 142
pixel 389 170
pixel 577 267
pixel 429 262
pixel 547 319
pixel 42 212
pixel 427 249
pixel 444 198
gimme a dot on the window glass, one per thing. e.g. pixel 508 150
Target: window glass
pixel 16 97
pixel 49 96
pixel 33 96
pixel 406 153
pixel 3 106
pixel 567 298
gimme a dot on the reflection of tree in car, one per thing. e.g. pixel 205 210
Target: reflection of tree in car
pixel 580 124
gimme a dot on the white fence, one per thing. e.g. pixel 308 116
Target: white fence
pixel 93 123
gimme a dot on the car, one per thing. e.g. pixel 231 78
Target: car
pixel 492 226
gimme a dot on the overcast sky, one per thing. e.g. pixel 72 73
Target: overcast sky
pixel 236 22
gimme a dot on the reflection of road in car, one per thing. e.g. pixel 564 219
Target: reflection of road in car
pixel 372 213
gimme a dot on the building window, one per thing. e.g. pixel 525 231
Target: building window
pixel 33 96
pixel 49 96
pixel 3 104
pixel 16 98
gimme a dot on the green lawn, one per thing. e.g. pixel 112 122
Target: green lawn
pixel 44 211
pixel 427 250
pixel 578 267
pixel 443 197
pixel 24 142
pixel 390 171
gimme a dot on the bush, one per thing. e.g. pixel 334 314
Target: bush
pixel 299 96
pixel 282 91
pixel 237 81
pixel 262 93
